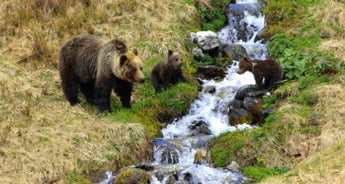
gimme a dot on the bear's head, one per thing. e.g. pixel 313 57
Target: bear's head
pixel 244 65
pixel 131 67
pixel 174 60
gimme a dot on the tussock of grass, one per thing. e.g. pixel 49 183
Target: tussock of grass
pixel 332 109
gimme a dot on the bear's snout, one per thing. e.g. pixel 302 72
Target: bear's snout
pixel 142 80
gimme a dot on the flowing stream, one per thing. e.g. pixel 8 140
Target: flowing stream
pixel 182 156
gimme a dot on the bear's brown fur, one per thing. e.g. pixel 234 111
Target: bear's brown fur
pixel 167 72
pixel 97 67
pixel 269 70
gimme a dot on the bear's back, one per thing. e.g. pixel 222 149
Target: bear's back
pixel 79 54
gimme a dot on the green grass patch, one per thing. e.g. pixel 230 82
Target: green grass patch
pixel 75 177
pixel 260 173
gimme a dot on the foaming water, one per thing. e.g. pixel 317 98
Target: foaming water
pixel 211 108
pixel 251 24
pixel 246 1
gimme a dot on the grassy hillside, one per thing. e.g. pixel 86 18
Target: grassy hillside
pixel 304 137
pixel 42 137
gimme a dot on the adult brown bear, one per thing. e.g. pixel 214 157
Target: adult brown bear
pixel 266 72
pixel 167 72
pixel 97 67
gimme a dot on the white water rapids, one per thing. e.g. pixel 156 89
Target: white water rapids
pixel 211 109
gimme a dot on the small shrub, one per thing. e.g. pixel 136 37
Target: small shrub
pixel 298 59
pixel 214 19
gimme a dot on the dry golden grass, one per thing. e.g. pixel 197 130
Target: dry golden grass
pixel 41 136
pixel 323 159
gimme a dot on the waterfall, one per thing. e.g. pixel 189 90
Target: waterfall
pixel 182 153
pixel 179 141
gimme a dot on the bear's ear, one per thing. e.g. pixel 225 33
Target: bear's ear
pixel 135 52
pixel 170 52
pixel 123 60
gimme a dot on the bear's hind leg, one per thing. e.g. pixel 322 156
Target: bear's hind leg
pixel 156 83
pixel 88 90
pixel 102 94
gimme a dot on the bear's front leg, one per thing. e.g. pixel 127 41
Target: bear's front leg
pixel 124 90
pixel 258 81
pixel 103 91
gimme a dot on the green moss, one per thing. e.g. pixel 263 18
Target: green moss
pixel 230 147
pixel 132 175
pixel 260 173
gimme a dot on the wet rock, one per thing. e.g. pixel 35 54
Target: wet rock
pixel 239 9
pixel 169 156
pixel 256 50
pixel 233 167
pixel 207 40
pixel 236 51
pixel 248 91
pixel 202 156
pixel 240 116
pixel 254 105
pixel 202 141
pixel 200 82
pixel 212 71
pixel 171 180
pixel 188 177
pixel 235 104
pixel 159 175
pixel 209 89
pixel 266 112
pixel 250 99
pixel 145 167
pixel 169 151
pixel 199 127
pixel 198 54
pixel 131 176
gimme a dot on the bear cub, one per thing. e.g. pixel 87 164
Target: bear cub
pixel 97 68
pixel 266 72
pixel 167 72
